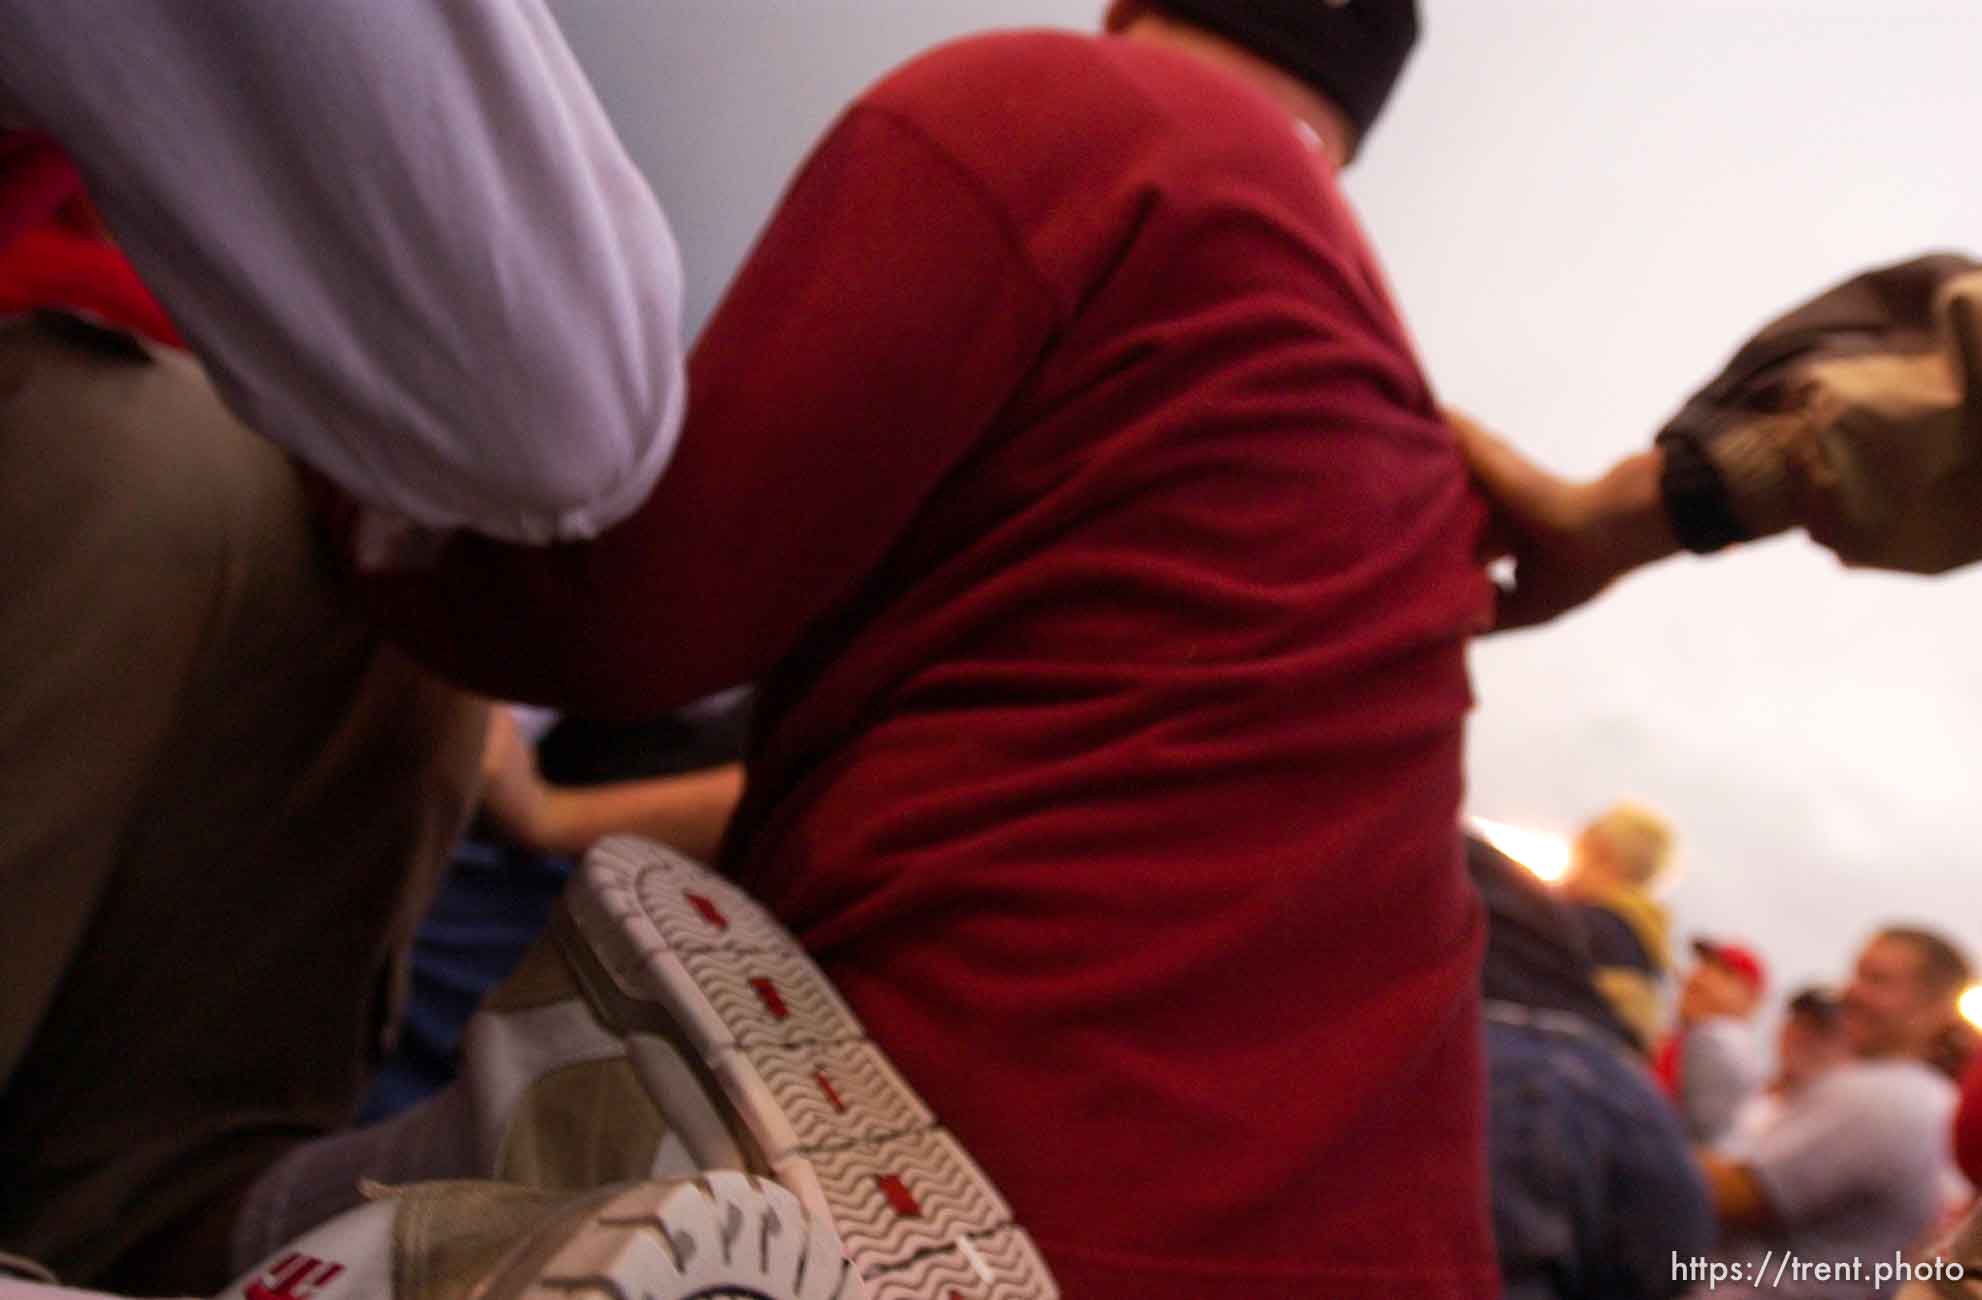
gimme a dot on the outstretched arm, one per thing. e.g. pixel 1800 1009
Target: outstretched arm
pixel 1568 541
pixel 1856 417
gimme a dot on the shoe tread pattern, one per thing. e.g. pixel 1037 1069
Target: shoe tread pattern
pixel 1000 1265
pixel 722 1236
pixel 838 1092
pixel 919 1219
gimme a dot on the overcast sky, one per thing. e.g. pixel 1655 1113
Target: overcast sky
pixel 1584 207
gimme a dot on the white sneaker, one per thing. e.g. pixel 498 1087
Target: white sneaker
pixel 728 1234
pixel 716 1238
pixel 667 1024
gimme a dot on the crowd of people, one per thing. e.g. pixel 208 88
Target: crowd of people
pixel 1089 915
pixel 1846 1149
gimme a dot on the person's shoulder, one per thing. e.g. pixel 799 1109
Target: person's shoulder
pixel 987 69
pixel 1613 939
pixel 1007 47
pixel 1039 88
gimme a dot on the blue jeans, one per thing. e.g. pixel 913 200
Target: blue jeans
pixel 1594 1187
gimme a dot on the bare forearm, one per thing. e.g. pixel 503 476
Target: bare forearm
pixel 1627 513
pixel 1567 540
pixel 687 812
pixel 1739 1201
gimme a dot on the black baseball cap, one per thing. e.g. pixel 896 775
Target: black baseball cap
pixel 1351 50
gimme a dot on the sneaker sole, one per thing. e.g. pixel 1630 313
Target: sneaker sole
pixel 724 1236
pixel 661 944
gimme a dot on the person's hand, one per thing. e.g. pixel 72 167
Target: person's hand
pixel 1567 540
pixel 513 794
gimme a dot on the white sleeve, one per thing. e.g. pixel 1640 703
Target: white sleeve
pixel 402 236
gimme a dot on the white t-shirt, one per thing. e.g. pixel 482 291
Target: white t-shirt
pixel 1752 1119
pixel 1855 1166
pixel 402 237
pixel 1719 1069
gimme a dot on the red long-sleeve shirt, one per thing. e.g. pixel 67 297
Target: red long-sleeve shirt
pixel 1060 465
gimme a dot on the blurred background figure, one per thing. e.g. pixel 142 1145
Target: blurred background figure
pixel 1858 1162
pixel 1594 1191
pixel 1709 1064
pixel 1810 1041
pixel 1616 864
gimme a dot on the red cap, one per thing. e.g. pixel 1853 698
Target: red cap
pixel 1736 958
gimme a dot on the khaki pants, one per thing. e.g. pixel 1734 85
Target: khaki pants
pixel 223 804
